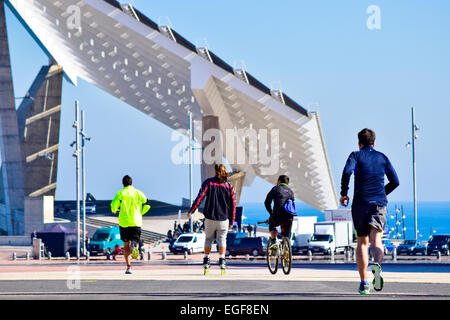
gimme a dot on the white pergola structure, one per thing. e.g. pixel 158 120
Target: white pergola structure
pixel 154 69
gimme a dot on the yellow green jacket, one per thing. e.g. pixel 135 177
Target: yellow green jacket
pixel 132 204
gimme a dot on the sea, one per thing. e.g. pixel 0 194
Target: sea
pixel 432 217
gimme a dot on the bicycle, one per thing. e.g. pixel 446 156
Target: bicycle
pixel 280 250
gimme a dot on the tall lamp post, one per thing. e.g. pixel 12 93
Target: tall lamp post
pixel 190 168
pixel 414 136
pixel 76 155
pixel 84 138
pixel 403 224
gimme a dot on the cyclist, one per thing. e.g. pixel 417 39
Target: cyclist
pixel 369 203
pixel 279 195
pixel 133 204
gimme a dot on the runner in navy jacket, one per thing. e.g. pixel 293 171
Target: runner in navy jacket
pixel 369 207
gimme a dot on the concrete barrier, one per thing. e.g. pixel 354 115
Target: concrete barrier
pixel 15 241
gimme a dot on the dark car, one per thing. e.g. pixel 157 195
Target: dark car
pixel 439 243
pixel 231 236
pixel 254 246
pixel 411 247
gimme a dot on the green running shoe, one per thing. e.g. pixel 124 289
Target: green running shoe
pixel 134 251
pixel 378 282
pixel 364 288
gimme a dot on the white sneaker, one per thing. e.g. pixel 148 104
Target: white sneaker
pixel 378 282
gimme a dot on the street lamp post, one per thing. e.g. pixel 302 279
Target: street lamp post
pixel 397 210
pixel 190 168
pixel 414 136
pixel 84 138
pixel 76 154
pixel 403 225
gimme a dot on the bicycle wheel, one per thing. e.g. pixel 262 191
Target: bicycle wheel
pixel 272 257
pixel 286 255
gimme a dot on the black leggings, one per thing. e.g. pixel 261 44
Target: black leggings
pixel 285 222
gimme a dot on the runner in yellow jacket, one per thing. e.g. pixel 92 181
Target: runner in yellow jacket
pixel 133 204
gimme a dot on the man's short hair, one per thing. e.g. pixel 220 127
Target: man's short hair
pixel 283 179
pixel 366 137
pixel 127 181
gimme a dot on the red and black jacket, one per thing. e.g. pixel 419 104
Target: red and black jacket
pixel 220 202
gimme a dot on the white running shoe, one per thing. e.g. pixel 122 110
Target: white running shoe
pixel 378 282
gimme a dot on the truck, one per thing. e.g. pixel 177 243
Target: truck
pixel 302 230
pixel 104 240
pixel 338 215
pixel 331 237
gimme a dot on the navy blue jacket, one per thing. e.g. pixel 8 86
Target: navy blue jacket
pixel 220 200
pixel 369 167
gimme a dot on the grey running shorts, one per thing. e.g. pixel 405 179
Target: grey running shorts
pixel 217 230
pixel 367 216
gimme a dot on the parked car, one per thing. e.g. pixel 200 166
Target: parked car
pixel 104 239
pixel 254 246
pixel 90 208
pixel 439 243
pixel 411 247
pixel 231 236
pixel 388 246
pixel 189 242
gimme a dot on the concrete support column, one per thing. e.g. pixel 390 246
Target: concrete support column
pixel 11 172
pixel 237 180
pixel 212 151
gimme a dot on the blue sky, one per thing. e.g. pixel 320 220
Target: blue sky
pixel 320 51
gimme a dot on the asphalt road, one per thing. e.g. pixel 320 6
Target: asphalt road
pixel 192 289
pixel 173 284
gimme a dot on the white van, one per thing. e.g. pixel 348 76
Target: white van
pixel 189 242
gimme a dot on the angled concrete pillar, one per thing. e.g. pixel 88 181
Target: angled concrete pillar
pixel 39 125
pixel 11 174
pixel 209 98
pixel 212 148
pixel 237 181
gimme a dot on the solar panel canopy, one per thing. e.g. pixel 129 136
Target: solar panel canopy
pixel 154 69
